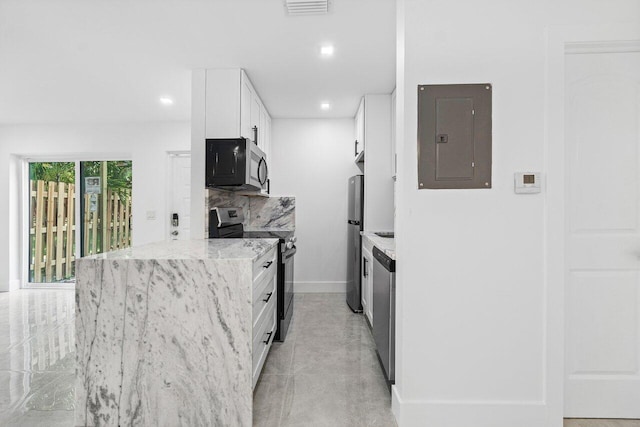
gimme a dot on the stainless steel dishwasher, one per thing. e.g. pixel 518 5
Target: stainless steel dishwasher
pixel 384 311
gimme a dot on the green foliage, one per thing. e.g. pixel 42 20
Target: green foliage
pixel 119 173
pixel 57 171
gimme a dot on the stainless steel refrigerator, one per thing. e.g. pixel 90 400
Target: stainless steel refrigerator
pixel 355 223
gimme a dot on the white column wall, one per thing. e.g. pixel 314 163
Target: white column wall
pixel 471 344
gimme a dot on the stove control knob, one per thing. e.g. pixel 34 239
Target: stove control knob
pixel 289 245
pixel 294 239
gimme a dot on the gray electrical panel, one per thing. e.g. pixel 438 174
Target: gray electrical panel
pixel 454 136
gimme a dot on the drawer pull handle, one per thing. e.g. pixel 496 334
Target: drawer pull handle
pixel 268 297
pixel 267 265
pixel 268 338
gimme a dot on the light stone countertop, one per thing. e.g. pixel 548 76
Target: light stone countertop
pixel 262 232
pixel 209 249
pixel 385 244
pixel 164 334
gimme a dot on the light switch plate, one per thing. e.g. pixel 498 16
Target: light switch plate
pixel 527 182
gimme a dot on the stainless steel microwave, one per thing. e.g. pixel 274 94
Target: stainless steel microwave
pixel 235 164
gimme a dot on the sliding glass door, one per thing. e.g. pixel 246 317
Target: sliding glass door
pixel 106 206
pixel 52 225
pixel 76 208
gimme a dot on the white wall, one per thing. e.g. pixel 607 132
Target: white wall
pixel 378 183
pixel 311 160
pixel 472 344
pixel 146 144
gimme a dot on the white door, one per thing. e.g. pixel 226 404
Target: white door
pixel 180 196
pixel 602 113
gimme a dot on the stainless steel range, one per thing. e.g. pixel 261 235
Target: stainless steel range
pixel 228 223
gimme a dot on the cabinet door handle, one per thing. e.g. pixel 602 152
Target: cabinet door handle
pixel 255 134
pixel 268 297
pixel 364 267
pixel 267 265
pixel 268 338
pixel 355 147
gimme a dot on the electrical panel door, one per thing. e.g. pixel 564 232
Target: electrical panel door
pixel 454 136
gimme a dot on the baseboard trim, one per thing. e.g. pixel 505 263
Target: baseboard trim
pixel 14 285
pixel 396 403
pixel 320 287
pixel 11 285
pixel 420 413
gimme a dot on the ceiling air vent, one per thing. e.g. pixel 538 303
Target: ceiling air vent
pixel 307 7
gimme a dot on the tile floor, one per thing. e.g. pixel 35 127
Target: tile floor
pixel 325 374
pixel 37 358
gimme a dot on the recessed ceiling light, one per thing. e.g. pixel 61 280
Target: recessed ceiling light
pixel 325 106
pixel 165 100
pixel 326 50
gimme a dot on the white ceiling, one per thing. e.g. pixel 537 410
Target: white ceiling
pixel 110 61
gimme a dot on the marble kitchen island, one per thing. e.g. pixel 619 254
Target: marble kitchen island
pixel 165 336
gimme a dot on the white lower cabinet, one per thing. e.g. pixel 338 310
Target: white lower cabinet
pixel 367 284
pixel 265 288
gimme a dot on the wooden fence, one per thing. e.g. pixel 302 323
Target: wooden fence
pixel 53 228
pixel 117 234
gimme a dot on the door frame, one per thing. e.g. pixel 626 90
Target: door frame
pixel 560 42
pixel 26 199
pixel 169 189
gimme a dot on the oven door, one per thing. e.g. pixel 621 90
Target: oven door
pixel 285 293
pixel 288 278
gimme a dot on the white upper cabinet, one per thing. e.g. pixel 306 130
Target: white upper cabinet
pixel 247 95
pixel 359 131
pixel 266 139
pixel 234 109
pixel 263 127
pixel 256 129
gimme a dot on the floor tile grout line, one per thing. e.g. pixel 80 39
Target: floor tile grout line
pixel 284 401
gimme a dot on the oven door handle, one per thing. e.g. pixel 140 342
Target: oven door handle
pixel 291 252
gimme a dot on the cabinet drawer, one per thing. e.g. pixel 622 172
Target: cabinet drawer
pixel 263 295
pixel 262 322
pixel 265 264
pixel 262 340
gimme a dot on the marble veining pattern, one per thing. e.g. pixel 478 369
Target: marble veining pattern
pixel 272 212
pixel 385 244
pixel 163 334
pixel 260 212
